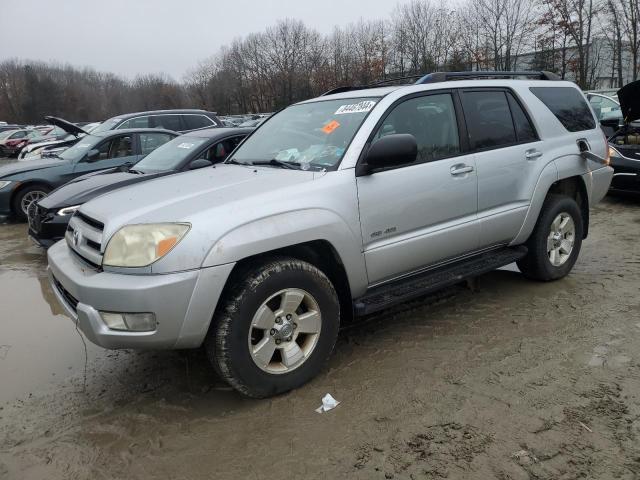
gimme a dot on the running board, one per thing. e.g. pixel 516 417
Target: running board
pixel 408 288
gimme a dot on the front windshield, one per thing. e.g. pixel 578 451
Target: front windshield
pixel 170 155
pixel 6 133
pixel 309 135
pixel 80 149
pixel 106 125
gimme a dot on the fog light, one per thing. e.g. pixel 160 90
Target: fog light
pixel 133 322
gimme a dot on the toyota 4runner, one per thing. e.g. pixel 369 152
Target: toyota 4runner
pixel 337 206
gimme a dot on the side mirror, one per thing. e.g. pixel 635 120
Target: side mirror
pixel 389 151
pixel 93 155
pixel 199 163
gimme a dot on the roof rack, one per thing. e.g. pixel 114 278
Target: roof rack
pixel 445 76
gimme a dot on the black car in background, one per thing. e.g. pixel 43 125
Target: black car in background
pixel 49 217
pixel 625 143
pixel 185 120
pixel 24 182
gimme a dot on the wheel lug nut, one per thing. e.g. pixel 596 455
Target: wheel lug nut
pixel 273 331
pixel 278 341
pixel 278 320
pixel 295 325
pixel 288 317
pixel 289 339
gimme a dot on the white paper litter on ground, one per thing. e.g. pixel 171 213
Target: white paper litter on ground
pixel 328 403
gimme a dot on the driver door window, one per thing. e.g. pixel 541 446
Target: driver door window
pixel 221 150
pixel 118 147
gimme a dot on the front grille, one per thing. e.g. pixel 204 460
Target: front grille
pixel 84 237
pixel 70 299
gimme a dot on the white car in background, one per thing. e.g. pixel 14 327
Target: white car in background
pixel 52 147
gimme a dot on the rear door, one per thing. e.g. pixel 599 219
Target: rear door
pixel 508 154
pixel 421 214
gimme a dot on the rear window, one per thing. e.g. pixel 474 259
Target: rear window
pixel 194 122
pixel 568 105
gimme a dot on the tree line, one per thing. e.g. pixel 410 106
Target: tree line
pixel 291 61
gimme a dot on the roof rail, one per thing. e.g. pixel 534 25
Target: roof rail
pixel 445 76
pixel 381 83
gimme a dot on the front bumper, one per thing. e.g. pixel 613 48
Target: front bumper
pixel 626 176
pixel 46 228
pixel 5 200
pixel 183 302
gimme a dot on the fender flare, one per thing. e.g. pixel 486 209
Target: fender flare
pixel 288 229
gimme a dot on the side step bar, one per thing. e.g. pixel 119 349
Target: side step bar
pixel 408 288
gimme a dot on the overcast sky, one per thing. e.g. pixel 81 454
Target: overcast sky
pixel 128 37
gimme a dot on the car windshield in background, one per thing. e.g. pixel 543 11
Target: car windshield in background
pixel 307 136
pixel 170 155
pixel 77 151
pixel 106 125
pixel 6 133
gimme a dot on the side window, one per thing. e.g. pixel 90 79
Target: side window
pixel 140 122
pixel 194 122
pixel 116 148
pixel 18 135
pixel 488 119
pixel 168 122
pixel 221 150
pixel 431 119
pixel 568 105
pixel 150 141
pixel 524 128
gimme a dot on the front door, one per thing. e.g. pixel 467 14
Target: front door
pixel 421 214
pixel 113 152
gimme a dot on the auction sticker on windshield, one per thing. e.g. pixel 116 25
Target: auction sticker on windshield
pixel 330 127
pixel 364 106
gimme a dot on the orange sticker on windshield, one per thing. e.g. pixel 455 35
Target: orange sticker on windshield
pixel 330 127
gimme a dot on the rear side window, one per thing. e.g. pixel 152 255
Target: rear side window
pixel 194 122
pixel 150 141
pixel 568 105
pixel 140 122
pixel 489 122
pixel 169 122
pixel 524 129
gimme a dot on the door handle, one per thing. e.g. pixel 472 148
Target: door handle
pixel 460 169
pixel 532 154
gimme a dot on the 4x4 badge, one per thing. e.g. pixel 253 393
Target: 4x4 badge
pixel 76 238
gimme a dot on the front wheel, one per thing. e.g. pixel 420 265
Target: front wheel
pixel 555 242
pixel 275 328
pixel 25 197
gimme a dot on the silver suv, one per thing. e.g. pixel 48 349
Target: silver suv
pixel 337 206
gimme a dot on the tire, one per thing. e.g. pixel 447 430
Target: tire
pixel 555 242
pixel 237 330
pixel 35 192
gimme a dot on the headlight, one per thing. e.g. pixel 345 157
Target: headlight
pixel 4 183
pixel 141 245
pixel 67 210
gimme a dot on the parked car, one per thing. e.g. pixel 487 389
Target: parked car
pixel 607 111
pixel 72 133
pixel 13 141
pixel 4 128
pixel 25 182
pixel 344 204
pixel 253 123
pixel 49 217
pixel 176 120
pixel 625 143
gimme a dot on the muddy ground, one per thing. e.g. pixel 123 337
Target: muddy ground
pixel 515 380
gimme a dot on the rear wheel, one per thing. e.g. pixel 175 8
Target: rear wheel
pixel 555 242
pixel 275 328
pixel 25 197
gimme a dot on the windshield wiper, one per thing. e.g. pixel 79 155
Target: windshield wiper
pixel 279 163
pixel 236 162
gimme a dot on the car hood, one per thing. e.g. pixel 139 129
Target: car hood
pixel 192 195
pixel 82 190
pixel 30 166
pixel 66 126
pixel 629 97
